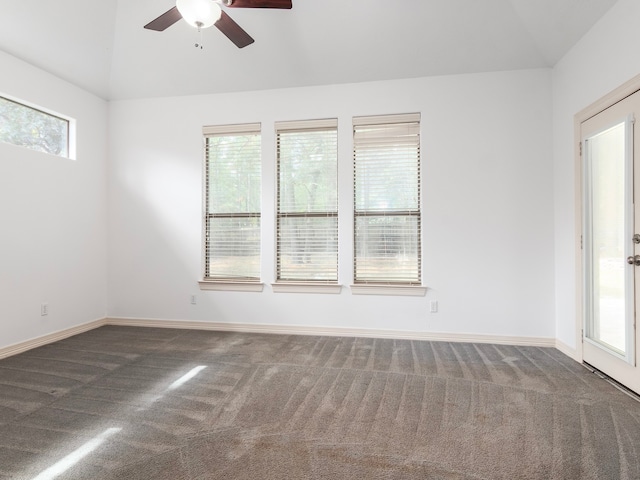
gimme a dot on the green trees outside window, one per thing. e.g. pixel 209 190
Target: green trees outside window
pixel 34 129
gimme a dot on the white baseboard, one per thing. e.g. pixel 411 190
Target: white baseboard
pixel 287 330
pixel 49 338
pixel 332 331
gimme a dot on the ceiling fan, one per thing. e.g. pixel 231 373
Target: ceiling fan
pixel 205 13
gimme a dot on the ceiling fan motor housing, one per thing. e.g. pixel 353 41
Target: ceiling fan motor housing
pixel 206 13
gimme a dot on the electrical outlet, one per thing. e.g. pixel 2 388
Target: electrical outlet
pixel 433 306
pixel 194 299
pixel 44 309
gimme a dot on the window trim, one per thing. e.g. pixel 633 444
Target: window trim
pixel 230 286
pixel 396 290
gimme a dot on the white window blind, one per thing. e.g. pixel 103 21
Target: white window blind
pixel 307 201
pixel 232 203
pixel 387 212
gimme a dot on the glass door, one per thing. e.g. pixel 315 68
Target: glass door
pixel 611 262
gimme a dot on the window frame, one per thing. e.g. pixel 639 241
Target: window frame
pixel 388 286
pixel 304 285
pixel 234 283
pixel 70 124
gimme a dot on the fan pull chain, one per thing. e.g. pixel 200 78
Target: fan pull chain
pixel 199 45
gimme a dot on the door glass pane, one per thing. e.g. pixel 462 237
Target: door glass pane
pixel 609 277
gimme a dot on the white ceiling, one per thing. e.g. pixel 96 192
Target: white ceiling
pixel 100 45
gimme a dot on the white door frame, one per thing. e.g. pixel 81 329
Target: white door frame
pixel 600 105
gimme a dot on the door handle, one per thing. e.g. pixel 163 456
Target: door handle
pixel 634 260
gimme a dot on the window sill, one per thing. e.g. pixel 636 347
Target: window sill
pixel 306 288
pixel 403 290
pixel 229 286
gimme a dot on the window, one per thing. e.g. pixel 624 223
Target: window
pixel 307 201
pixel 387 200
pixel 232 203
pixel 31 128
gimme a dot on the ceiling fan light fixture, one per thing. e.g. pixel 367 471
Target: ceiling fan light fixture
pixel 199 13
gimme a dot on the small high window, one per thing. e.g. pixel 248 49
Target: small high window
pixel 32 128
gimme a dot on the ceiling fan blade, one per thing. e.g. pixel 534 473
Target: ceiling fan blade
pixel 258 3
pixel 233 31
pixel 164 21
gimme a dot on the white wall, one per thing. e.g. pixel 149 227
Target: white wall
pixel 604 59
pixel 488 216
pixel 53 214
pixel 499 216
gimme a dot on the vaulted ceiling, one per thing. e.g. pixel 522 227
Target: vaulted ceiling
pixel 100 45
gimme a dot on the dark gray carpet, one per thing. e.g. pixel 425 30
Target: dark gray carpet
pixel 114 403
